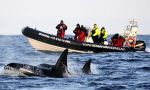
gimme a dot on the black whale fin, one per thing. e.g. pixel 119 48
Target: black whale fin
pixel 87 67
pixel 62 59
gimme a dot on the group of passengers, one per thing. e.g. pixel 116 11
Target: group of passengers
pixel 80 33
pixel 99 35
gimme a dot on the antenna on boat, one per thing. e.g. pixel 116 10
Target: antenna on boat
pixel 133 23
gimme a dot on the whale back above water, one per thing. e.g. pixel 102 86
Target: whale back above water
pixel 59 70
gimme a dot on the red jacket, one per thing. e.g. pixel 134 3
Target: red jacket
pixel 118 42
pixel 77 31
pixel 81 36
pixel 61 30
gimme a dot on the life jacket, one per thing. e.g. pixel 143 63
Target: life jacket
pixel 61 34
pixel 118 42
pixel 103 33
pixel 81 36
pixel 130 42
pixel 95 31
pixel 61 30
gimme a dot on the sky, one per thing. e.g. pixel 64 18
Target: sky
pixel 44 15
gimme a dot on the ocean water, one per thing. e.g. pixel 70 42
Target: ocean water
pixel 110 71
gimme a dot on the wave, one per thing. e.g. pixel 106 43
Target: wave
pixel 147 49
pixel 146 68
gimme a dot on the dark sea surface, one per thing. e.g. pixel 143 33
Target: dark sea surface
pixel 110 71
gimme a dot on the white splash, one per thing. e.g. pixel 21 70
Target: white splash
pixel 1 70
pixel 76 69
pixel 11 72
pixel 94 69
pixel 147 49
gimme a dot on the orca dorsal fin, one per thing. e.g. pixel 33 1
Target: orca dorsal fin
pixel 62 59
pixel 87 67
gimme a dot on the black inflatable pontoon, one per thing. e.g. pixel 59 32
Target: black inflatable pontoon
pixel 47 42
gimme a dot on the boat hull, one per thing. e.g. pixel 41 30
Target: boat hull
pixel 44 47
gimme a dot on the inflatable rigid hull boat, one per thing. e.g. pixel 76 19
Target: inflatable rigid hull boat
pixel 51 43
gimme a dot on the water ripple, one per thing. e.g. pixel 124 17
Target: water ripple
pixel 110 71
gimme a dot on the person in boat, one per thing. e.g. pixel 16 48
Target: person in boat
pixel 83 28
pixel 95 33
pixel 61 29
pixel 103 35
pixel 117 40
pixel 77 31
pixel 82 34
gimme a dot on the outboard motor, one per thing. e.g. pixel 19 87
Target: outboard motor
pixel 140 45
